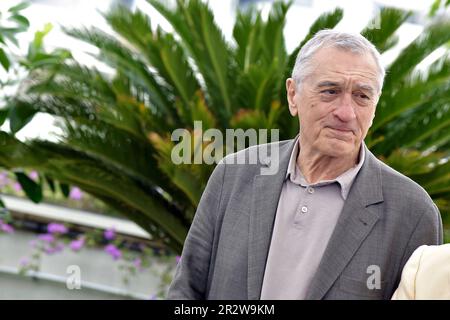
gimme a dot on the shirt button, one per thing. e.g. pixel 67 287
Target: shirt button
pixel 304 209
pixel 310 190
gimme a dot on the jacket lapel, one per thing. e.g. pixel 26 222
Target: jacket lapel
pixel 354 224
pixel 266 193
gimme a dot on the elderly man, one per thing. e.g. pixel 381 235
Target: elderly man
pixel 333 222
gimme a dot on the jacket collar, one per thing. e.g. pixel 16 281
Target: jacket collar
pixel 345 180
pixel 354 224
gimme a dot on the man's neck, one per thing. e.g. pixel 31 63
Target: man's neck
pixel 317 167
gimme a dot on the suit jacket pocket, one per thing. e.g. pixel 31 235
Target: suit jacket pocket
pixel 360 287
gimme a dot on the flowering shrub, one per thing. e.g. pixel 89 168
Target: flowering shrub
pixel 130 259
pixel 73 197
pixel 5 227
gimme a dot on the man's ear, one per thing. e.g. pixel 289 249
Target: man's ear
pixel 291 92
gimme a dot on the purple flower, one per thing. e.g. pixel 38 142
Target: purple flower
pixel 76 245
pixel 75 194
pixel 34 175
pixel 54 249
pixel 3 179
pixel 56 228
pixel 138 263
pixel 17 187
pixel 177 259
pixel 6 227
pixel 46 237
pixel 33 243
pixel 113 251
pixel 109 234
pixel 23 262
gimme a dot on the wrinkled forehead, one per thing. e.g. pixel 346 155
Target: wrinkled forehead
pixel 343 66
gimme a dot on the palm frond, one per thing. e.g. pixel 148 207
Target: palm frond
pixel 194 22
pixel 380 30
pixel 415 90
pixel 434 36
pixel 118 56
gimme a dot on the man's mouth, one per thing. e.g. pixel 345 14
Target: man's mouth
pixel 344 134
pixel 342 130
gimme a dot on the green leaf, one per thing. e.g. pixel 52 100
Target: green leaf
pixel 31 188
pixel 42 59
pixel 3 115
pixel 10 34
pixel 36 46
pixel 2 204
pixel 382 27
pixel 438 177
pixel 418 89
pixel 437 140
pixel 194 22
pixel 21 20
pixel 20 114
pixel 89 175
pixel 434 7
pixel 160 49
pixel 19 7
pixel 51 183
pixel 117 56
pixel 4 60
pixel 65 189
pixel 434 36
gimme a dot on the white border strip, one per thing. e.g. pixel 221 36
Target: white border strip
pixel 79 217
pixel 84 284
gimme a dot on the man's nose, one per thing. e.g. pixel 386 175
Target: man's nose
pixel 345 110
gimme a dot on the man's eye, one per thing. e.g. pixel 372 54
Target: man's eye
pixel 362 96
pixel 329 91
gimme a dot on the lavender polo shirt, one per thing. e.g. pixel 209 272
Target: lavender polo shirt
pixel 305 219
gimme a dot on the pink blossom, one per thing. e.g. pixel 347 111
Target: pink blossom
pixel 46 237
pixel 6 227
pixel 113 251
pixel 76 245
pixel 54 249
pixel 24 261
pixel 34 175
pixel 56 228
pixel 138 263
pixel 75 194
pixel 3 179
pixel 33 243
pixel 17 187
pixel 110 234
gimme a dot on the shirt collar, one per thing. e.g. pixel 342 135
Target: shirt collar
pixel 345 180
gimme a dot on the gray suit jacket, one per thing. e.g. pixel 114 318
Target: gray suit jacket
pixel 385 218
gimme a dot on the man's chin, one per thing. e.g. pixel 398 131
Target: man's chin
pixel 338 148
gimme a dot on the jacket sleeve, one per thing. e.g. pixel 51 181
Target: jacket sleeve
pixel 428 231
pixel 407 287
pixel 191 275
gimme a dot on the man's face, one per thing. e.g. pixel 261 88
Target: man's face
pixel 336 102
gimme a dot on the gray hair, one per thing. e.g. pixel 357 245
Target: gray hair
pixel 353 42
